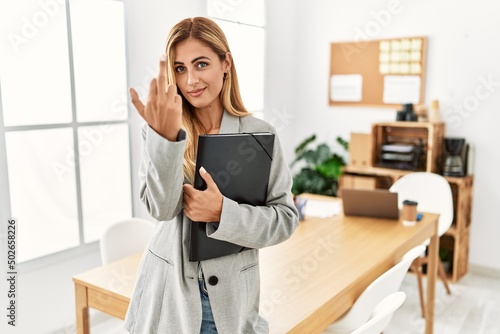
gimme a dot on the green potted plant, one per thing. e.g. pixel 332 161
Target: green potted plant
pixel 321 167
pixel 446 257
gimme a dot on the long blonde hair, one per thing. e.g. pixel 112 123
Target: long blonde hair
pixel 210 34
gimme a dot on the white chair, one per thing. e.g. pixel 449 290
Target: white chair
pixel 382 314
pixel 387 283
pixel 433 194
pixel 124 238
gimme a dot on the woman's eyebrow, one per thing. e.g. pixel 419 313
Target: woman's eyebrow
pixel 199 58
pixel 192 61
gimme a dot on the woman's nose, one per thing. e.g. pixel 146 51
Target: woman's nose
pixel 192 78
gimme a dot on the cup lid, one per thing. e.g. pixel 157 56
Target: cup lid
pixel 409 202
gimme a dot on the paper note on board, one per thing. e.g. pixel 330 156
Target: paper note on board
pixel 346 87
pixel 400 89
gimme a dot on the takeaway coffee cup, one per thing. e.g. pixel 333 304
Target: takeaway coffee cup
pixel 409 213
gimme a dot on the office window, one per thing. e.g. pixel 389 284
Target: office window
pixel 34 65
pixel 43 201
pixel 105 176
pixel 243 23
pixel 64 122
pixel 99 61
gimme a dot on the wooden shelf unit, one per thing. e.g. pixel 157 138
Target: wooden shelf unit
pixel 456 239
pixel 429 135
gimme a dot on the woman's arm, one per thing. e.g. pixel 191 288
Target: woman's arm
pixel 161 174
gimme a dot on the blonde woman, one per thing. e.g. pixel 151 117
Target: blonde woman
pixel 197 92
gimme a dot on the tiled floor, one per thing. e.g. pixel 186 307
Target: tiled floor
pixel 104 324
pixel 472 308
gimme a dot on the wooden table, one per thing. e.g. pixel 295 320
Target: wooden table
pixel 314 277
pixel 306 282
pixel 107 289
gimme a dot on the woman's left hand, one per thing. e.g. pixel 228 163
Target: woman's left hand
pixel 206 205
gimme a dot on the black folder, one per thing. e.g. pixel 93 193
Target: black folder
pixel 240 165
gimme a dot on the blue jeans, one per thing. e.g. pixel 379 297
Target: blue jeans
pixel 207 321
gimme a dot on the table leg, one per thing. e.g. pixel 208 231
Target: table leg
pixel 82 309
pixel 431 281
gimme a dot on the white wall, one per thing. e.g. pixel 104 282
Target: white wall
pixel 281 61
pixel 463 51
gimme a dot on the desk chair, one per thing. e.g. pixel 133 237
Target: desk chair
pixel 386 284
pixel 433 194
pixel 382 314
pixel 124 238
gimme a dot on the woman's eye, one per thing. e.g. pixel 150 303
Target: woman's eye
pixel 202 65
pixel 179 69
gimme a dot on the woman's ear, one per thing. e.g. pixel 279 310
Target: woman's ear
pixel 227 63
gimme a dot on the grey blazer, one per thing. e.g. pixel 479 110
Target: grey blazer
pixel 166 297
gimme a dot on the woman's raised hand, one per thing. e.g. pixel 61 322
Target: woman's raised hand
pixel 163 110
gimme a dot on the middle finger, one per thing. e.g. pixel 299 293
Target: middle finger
pixel 161 74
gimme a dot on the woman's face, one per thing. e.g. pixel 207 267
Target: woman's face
pixel 199 73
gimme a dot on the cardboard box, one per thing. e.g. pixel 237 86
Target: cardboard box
pixel 360 150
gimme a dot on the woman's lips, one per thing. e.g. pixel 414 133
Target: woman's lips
pixel 196 92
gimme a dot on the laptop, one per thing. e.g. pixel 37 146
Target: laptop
pixel 376 203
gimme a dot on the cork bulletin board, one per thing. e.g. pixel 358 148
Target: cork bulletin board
pixel 378 73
